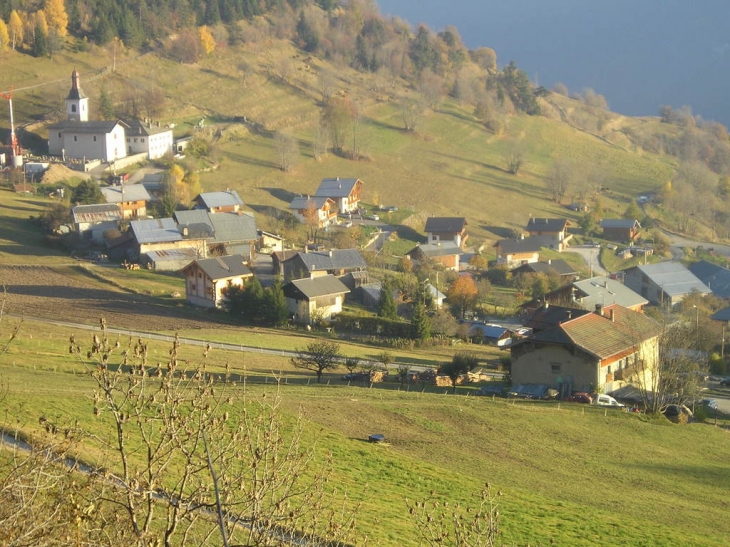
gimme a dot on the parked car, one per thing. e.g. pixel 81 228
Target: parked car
pixel 490 390
pixel 579 397
pixel 348 224
pixel 532 391
pixel 725 382
pixel 373 217
pixel 607 400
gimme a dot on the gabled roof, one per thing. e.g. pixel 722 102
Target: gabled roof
pixel 715 277
pixel 336 259
pixel 311 288
pixel 305 202
pixel 445 224
pixel 221 227
pixel 159 230
pixel 624 223
pixel 222 267
pixel 547 224
pixel 598 335
pixel 526 245
pixel 101 212
pixel 137 128
pixel 493 332
pixel 558 265
pixel 220 199
pixel 605 291
pixel 91 128
pixel 125 193
pixel 432 250
pixel 722 315
pixel 672 277
pixel 336 188
pixel 549 316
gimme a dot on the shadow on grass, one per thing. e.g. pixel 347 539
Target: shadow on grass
pixel 279 193
pixel 405 232
pixel 385 125
pixel 251 160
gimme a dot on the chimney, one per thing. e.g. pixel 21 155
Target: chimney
pixel 599 309
pixel 522 236
pixel 611 315
pixel 569 314
pixel 331 253
pixel 550 260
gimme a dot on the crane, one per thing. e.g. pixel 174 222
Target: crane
pixel 15 147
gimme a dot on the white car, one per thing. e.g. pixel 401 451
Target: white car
pixel 607 400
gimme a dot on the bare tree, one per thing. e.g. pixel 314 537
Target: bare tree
pixel 318 357
pixel 287 150
pixel 514 156
pixel 560 178
pixel 411 111
pixel 441 523
pixel 326 82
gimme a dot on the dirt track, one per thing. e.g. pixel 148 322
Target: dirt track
pixel 38 291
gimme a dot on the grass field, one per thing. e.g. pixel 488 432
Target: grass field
pixel 570 474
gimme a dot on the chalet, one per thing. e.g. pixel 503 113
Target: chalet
pixel 319 211
pixel 515 252
pixel 315 299
pixel 556 228
pixel 602 350
pixel 223 233
pixel 494 335
pixel 219 202
pixel 337 262
pixel 443 229
pixel 207 279
pixel 714 276
pixel 130 198
pixel 588 293
pixel 160 234
pixel 620 229
pixel 91 221
pixel 558 266
pixel 269 243
pixel 446 253
pixel 148 139
pixel 346 193
pixel 663 283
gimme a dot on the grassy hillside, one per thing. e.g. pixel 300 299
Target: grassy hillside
pixel 450 166
pixel 570 474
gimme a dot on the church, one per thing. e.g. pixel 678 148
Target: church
pixel 108 141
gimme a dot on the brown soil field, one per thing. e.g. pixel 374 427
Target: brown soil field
pixel 40 291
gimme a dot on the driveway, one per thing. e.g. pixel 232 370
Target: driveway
pixel 590 255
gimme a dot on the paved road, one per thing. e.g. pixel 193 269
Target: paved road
pixel 590 255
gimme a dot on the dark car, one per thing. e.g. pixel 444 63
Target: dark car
pixel 579 397
pixel 725 382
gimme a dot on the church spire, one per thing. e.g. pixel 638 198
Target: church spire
pixel 77 103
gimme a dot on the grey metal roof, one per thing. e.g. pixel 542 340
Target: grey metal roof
pixel 445 224
pixel 96 127
pixel 620 223
pixel 494 332
pixel 526 245
pixel 305 202
pixel 125 192
pixel 159 230
pixel 547 224
pixel 335 188
pixel 605 291
pixel 223 267
pixel 137 128
pixel 444 248
pixel 220 199
pixel 673 278
pixel 223 227
pixel 172 255
pixel 336 259
pixel 558 265
pixel 715 277
pixel 102 212
pixel 318 286
pixel 722 315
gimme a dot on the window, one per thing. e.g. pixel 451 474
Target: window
pixel 140 139
pixel 73 108
pixel 59 135
pixel 555 368
pixel 135 140
pixel 76 138
pixel 94 138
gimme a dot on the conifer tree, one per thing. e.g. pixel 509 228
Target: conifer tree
pixel 420 323
pixel 386 305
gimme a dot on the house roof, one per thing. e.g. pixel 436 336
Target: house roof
pixel 433 250
pixel 125 193
pixel 558 265
pixel 220 199
pixel 605 291
pixel 672 277
pixel 137 128
pixel 549 316
pixel 218 227
pixel 92 128
pixel 722 315
pixel 526 245
pixel 222 267
pixel 445 224
pixel 598 335
pixel 335 259
pixel 305 202
pixel 172 255
pixel 336 188
pixel 714 276
pixel 624 223
pixel 547 224
pixel 318 286
pixel 493 332
pixel 102 212
pixel 158 230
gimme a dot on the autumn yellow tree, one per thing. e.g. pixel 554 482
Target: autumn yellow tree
pixel 463 294
pixel 4 36
pixel 15 28
pixel 206 39
pixel 56 16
